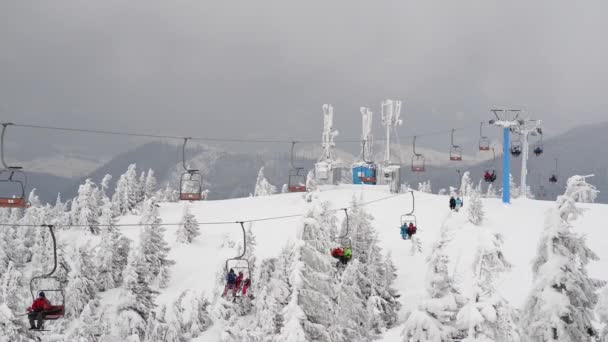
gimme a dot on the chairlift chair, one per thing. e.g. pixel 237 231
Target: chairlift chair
pixel 297 176
pixel 191 181
pixel 516 147
pixel 57 311
pixel 239 263
pixel 484 142
pixel 13 181
pixel 455 150
pixel 492 177
pixel 12 188
pixel 538 146
pixel 554 176
pixel 418 160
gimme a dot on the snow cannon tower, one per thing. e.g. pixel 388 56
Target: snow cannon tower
pixel 391 171
pixel 327 169
pixel 364 171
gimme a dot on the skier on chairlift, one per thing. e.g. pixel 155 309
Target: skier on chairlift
pixel 404 230
pixel 237 283
pixel 230 282
pixel 39 309
pixel 411 230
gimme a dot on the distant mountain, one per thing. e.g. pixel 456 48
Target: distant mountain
pixel 230 174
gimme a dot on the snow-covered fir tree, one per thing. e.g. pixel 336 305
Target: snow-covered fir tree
pixel 150 184
pixel 602 313
pixel 154 247
pixel 81 286
pixel 190 314
pixel 10 303
pixel 85 207
pixel 466 184
pixel 425 187
pixel 138 301
pixel 262 186
pixel 475 208
pixel 112 253
pixel 188 229
pixel 308 314
pixel 311 182
pixel 487 316
pixel 563 297
pixel 435 318
pixel 127 193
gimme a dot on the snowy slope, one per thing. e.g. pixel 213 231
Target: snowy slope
pixel 200 264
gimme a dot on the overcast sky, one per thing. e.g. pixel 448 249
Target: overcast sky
pixel 263 68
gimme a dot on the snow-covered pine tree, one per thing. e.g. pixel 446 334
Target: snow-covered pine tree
pixel 272 293
pixel 435 318
pixel 137 305
pixel 85 207
pixel 150 184
pixel 154 247
pixel 561 303
pixel 466 184
pixel 141 187
pixel 475 208
pixel 425 187
pixel 310 308
pixel 188 229
pixel 262 186
pixel 112 252
pixel 10 302
pixel 602 313
pixel 487 316
pixel 88 327
pixel 126 195
pixel 190 314
pixel 372 277
pixel 159 330
pixel 81 286
pixel 442 192
pixel 284 189
pixel 311 183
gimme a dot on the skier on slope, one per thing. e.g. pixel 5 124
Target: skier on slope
pixel 458 203
pixel 452 203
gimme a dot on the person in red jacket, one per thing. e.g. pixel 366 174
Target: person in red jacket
pixel 37 311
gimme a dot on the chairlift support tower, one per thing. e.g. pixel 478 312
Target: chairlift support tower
pixel 325 166
pixel 391 113
pixel 526 128
pixel 365 170
pixel 507 119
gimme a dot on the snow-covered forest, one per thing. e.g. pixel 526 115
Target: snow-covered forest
pixel 135 264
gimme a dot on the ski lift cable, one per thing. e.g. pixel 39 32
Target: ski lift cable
pixel 175 137
pixel 271 218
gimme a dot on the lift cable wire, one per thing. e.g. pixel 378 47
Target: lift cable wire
pixel 160 136
pixel 201 223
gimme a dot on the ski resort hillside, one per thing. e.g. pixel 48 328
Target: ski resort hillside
pixel 177 296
